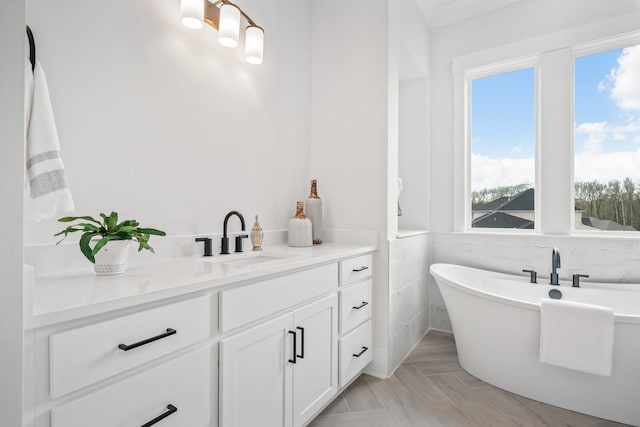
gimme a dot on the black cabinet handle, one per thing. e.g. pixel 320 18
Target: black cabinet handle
pixel 361 305
pixel 170 410
pixel 363 268
pixel 301 355
pixel 295 345
pixel 127 347
pixel 361 352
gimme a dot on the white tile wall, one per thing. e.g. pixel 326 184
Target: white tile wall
pixel 409 294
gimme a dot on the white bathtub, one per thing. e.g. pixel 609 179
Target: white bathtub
pixel 496 323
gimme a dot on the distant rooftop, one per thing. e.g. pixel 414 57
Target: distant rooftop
pixel 502 220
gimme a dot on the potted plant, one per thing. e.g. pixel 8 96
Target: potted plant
pixel 112 258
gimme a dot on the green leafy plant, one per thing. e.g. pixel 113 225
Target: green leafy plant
pixel 108 229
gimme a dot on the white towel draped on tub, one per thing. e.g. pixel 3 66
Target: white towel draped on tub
pixel 49 192
pixel 577 336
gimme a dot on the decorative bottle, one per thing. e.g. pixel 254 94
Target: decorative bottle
pixel 313 207
pixel 256 236
pixel 300 228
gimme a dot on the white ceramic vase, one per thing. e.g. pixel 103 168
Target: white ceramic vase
pixel 300 229
pixel 112 258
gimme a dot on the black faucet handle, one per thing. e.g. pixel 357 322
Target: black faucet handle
pixel 576 279
pixel 208 246
pixel 239 238
pixel 533 275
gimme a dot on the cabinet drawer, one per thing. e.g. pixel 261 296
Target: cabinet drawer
pixel 83 356
pixel 355 305
pixel 183 383
pixel 246 304
pixel 355 269
pixel 355 352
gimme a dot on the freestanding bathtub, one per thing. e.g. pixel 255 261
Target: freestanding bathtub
pixel 496 324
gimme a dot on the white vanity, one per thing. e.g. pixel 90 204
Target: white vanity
pixel 191 342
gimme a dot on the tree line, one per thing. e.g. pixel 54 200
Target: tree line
pixel 616 200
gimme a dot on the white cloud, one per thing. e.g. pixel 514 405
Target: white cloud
pixel 598 137
pixel 490 173
pixel 606 166
pixel 596 132
pixel 516 150
pixel 625 79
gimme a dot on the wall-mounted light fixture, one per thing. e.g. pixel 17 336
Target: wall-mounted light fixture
pixel 227 18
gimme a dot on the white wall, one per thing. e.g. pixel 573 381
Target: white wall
pixel 163 124
pixel 408 131
pixel 413 153
pixel 12 69
pixel 408 154
pixel 519 30
pixel 349 128
pixel 356 66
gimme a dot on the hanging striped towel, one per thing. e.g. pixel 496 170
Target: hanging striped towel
pixel 49 192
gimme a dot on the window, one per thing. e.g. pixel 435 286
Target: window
pixel 607 140
pixel 502 114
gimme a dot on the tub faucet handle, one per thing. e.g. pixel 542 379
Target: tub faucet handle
pixel 576 279
pixel 534 275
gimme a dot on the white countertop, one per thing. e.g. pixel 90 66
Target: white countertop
pixel 66 296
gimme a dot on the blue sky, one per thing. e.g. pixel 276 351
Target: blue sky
pixel 607 122
pixel 503 115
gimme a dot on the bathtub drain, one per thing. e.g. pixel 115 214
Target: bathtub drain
pixel 555 294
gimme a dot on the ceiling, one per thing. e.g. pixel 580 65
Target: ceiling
pixel 438 13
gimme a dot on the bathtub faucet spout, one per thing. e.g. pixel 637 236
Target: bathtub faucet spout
pixel 555 264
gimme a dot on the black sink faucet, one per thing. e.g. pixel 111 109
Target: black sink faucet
pixel 555 264
pixel 225 239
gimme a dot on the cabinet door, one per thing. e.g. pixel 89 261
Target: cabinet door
pixel 256 375
pixel 315 375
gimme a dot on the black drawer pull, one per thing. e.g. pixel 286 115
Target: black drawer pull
pixel 361 352
pixel 170 410
pixel 363 268
pixel 361 305
pixel 127 347
pixel 301 355
pixel 295 347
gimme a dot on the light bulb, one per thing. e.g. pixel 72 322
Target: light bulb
pixel 192 13
pixel 229 25
pixel 254 44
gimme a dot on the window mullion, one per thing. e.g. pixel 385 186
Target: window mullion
pixel 555 175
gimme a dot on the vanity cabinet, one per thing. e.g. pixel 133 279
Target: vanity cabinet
pixel 267 351
pixel 284 370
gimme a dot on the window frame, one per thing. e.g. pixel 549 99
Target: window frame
pixel 577 51
pixel 502 67
pixel 554 56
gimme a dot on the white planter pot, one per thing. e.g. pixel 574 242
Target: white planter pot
pixel 112 258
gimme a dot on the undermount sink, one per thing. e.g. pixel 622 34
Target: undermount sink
pixel 244 260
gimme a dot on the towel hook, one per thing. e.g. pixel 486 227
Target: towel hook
pixel 32 49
